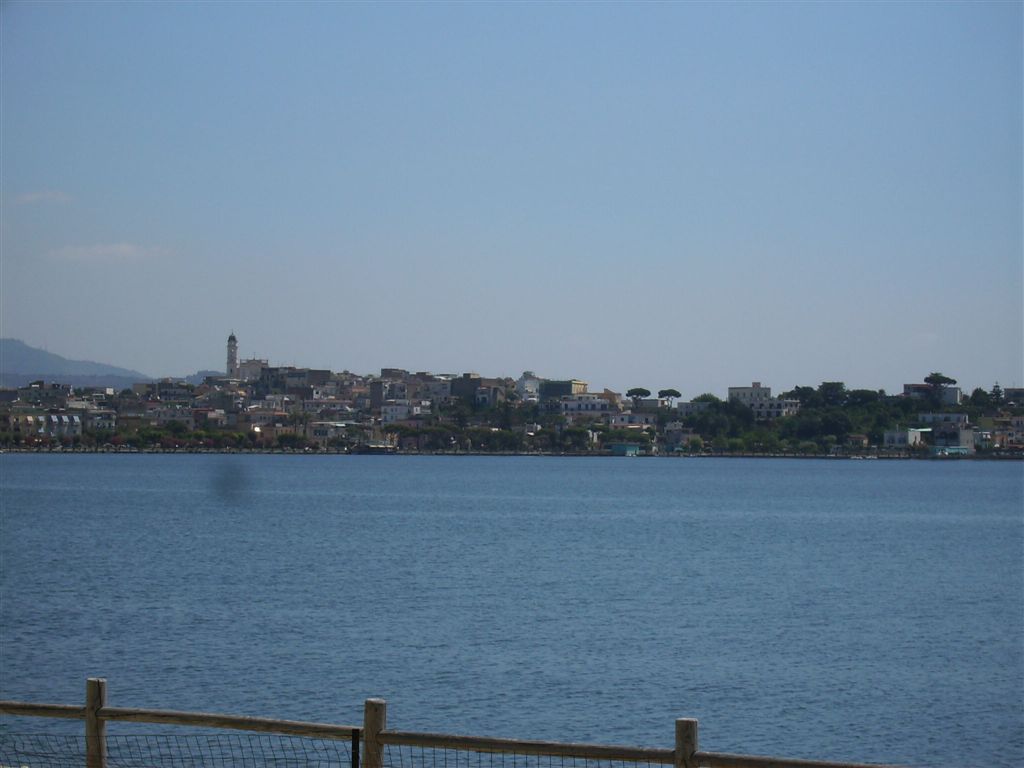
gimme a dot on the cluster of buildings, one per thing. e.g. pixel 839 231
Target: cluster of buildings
pixel 953 434
pixel 756 397
pixel 326 408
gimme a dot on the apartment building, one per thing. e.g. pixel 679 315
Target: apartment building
pixel 759 399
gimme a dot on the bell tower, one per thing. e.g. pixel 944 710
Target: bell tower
pixel 232 367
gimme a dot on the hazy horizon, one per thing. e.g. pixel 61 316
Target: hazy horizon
pixel 681 195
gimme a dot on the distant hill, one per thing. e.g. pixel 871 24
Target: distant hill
pixel 198 377
pixel 21 364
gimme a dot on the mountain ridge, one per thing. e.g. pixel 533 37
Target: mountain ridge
pixel 21 364
pixel 18 357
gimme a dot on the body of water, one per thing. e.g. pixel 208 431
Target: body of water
pixel 859 610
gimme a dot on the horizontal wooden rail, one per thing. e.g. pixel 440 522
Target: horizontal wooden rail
pixel 234 722
pixel 522 747
pixel 173 717
pixel 727 760
pixel 28 709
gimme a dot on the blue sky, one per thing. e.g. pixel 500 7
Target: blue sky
pixel 676 195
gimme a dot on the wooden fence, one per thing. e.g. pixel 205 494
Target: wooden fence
pixel 375 736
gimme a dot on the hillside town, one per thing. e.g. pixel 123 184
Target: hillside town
pixel 256 406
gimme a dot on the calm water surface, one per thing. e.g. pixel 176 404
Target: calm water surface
pixel 852 610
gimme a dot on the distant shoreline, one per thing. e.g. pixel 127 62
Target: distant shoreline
pixel 453 454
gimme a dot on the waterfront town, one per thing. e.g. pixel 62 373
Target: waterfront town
pixel 255 406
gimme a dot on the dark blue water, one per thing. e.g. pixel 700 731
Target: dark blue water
pixel 860 610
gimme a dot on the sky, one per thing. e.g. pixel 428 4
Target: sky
pixel 663 195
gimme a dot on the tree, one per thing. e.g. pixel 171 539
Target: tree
pixel 707 397
pixel 577 438
pixel 832 393
pixel 740 415
pixel 290 440
pixel 809 397
pixel 836 422
pixel 859 398
pixel 709 423
pixel 938 382
pixel 177 428
pixel 980 398
pixel 671 394
pixel 937 379
pixel 636 394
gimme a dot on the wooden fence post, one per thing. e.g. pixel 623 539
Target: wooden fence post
pixel 375 720
pixel 686 743
pixel 95 727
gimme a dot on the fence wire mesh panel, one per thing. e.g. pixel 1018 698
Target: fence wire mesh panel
pixel 400 756
pixel 177 751
pixel 43 750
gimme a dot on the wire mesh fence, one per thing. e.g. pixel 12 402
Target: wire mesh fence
pixel 242 750
pixel 400 756
pixel 292 744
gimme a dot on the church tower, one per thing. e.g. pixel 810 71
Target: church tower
pixel 232 369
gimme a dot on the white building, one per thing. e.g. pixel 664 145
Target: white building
pixel 903 438
pixel 759 399
pixel 101 419
pixel 630 420
pixel 60 425
pixel 776 408
pixel 250 370
pixel 585 404
pixel 751 395
pixel 262 417
pixel 958 438
pixel 437 390
pixel 528 387
pixel 322 432
pixel 399 410
pixel 164 415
